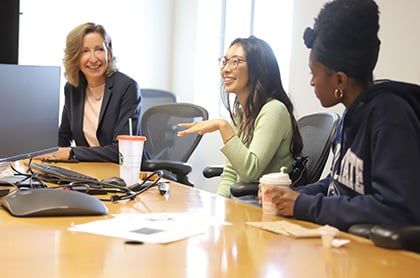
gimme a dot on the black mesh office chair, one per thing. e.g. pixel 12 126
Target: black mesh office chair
pixel 167 151
pixel 317 130
pixel 152 97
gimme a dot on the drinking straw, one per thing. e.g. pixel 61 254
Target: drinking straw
pixel 130 126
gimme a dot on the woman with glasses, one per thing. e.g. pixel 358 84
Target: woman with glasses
pixel 375 174
pixel 262 136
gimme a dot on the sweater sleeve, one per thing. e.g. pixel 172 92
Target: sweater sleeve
pixel 228 177
pixel 320 186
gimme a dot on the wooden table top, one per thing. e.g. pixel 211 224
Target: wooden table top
pixel 43 246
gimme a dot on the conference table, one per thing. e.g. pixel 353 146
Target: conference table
pixel 44 246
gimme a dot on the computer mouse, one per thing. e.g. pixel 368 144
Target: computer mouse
pixel 52 202
pixel 114 181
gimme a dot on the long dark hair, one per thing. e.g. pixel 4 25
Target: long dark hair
pixel 265 83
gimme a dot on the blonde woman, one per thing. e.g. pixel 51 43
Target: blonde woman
pixel 99 100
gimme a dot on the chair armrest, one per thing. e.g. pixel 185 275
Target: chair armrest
pixel 173 166
pixel 396 237
pixel 180 169
pixel 362 230
pixel 213 171
pixel 244 189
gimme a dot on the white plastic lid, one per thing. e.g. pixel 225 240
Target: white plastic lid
pixel 276 178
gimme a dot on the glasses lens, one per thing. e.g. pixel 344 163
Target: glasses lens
pixel 231 63
pixel 234 62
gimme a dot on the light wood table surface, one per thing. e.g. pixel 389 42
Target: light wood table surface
pixel 43 246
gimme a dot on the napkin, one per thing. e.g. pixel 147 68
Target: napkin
pixel 291 229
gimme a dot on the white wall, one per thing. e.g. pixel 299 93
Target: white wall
pixel 137 27
pixel 400 56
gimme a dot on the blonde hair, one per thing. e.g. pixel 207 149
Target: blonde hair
pixel 74 44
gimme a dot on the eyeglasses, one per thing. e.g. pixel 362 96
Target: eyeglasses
pixel 232 63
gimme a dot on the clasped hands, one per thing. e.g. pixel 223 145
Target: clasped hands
pixel 283 198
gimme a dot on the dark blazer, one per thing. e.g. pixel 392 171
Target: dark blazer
pixel 121 101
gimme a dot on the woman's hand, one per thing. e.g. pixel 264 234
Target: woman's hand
pixel 203 127
pixel 199 127
pixel 61 154
pixel 284 198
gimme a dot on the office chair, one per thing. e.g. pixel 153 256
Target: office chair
pixel 317 130
pixel 152 97
pixel 167 151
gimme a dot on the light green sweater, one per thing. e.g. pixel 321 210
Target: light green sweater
pixel 268 151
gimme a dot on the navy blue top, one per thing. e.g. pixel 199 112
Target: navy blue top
pixel 375 176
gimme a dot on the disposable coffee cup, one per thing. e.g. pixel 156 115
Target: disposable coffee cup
pixel 327 237
pixel 130 150
pixel 271 181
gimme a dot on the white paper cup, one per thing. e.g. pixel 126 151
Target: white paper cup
pixel 130 155
pixel 268 206
pixel 327 237
pixel 271 181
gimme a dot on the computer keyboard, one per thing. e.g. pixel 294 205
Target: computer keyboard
pixel 60 173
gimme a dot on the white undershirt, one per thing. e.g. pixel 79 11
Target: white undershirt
pixel 91 119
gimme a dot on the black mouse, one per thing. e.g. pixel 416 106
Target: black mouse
pixel 114 181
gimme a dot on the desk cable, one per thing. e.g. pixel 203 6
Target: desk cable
pixel 31 180
pixel 143 186
pixel 128 192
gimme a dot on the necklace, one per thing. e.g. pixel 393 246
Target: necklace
pixel 97 93
pixel 97 98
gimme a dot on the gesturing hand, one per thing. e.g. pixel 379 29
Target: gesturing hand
pixel 226 131
pixel 199 127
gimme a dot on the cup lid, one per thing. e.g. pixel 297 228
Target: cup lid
pixel 275 178
pixel 131 137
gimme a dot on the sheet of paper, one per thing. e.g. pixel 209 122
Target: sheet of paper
pixel 291 229
pixel 150 227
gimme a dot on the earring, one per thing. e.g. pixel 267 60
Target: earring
pixel 338 93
